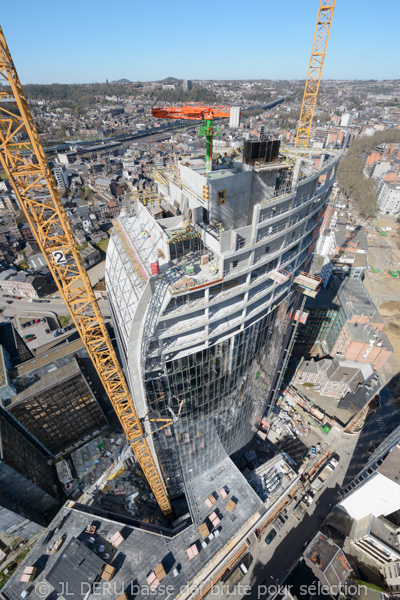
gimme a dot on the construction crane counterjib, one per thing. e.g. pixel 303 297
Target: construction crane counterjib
pixel 37 194
pixel 192 112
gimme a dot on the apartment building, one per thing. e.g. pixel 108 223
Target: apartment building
pixel 389 199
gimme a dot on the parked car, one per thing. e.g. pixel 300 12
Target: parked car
pixel 9 301
pixel 270 537
pixel 23 325
pixel 42 320
pixel 56 333
pixel 36 321
pixel 333 463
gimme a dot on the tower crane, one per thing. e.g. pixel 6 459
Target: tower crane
pixel 320 42
pixel 23 159
pixel 197 113
pixel 24 162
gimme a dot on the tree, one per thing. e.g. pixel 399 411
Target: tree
pixel 350 172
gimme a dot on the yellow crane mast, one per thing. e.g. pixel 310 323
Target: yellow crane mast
pixel 24 162
pixel 320 42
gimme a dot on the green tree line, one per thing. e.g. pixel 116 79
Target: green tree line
pixel 350 172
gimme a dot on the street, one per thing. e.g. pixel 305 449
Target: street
pixel 270 563
pixel 55 305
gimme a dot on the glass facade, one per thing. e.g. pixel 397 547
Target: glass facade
pixel 216 396
pixel 202 304
pixel 61 414
pixel 323 325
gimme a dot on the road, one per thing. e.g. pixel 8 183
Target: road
pixel 56 305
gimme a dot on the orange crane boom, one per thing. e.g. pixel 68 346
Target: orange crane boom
pixel 196 112
pixel 38 197
pixel 192 112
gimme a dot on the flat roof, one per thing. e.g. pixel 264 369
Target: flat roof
pixel 327 557
pixel 52 355
pixel 145 546
pixel 76 568
pixel 356 300
pixel 49 380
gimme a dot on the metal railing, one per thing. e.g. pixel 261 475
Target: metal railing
pixel 242 304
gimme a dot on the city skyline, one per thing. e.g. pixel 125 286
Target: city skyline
pixel 176 42
pixel 199 346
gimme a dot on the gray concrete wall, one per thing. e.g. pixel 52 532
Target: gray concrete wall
pixel 236 212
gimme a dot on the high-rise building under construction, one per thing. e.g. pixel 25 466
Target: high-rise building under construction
pixel 200 278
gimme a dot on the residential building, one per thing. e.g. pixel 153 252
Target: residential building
pixel 344 302
pixel 328 562
pixel 102 184
pixel 187 85
pixel 61 176
pixel 346 120
pixel 389 199
pixel 362 343
pixel 90 256
pixel 23 284
pixel 332 377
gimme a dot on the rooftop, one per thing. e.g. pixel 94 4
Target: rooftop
pixel 356 300
pixel 355 401
pixel 229 516
pixel 77 567
pixel 391 465
pixel 328 558
pixel 365 333
pixel 347 236
pixel 43 361
pixel 55 377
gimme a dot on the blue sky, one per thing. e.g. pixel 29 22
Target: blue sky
pixel 94 40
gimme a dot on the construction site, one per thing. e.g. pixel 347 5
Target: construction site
pixel 206 279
